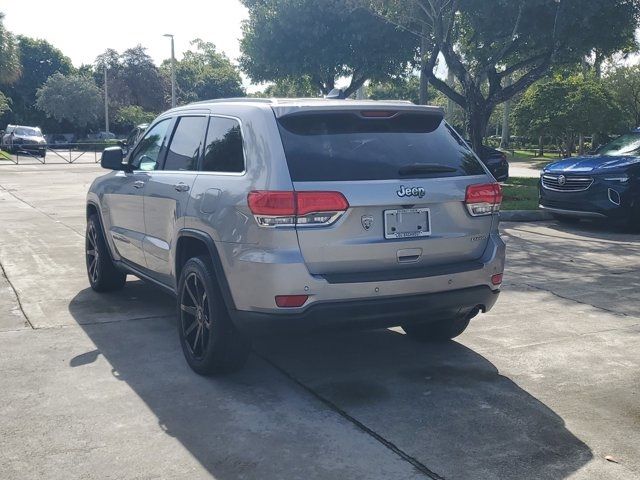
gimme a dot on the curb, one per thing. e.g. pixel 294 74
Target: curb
pixel 525 216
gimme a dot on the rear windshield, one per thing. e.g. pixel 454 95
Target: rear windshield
pixel 346 146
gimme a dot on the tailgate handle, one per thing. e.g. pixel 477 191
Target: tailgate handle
pixel 409 255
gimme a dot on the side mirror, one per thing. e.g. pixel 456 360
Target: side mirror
pixel 112 159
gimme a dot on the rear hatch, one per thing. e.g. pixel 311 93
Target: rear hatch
pixel 404 174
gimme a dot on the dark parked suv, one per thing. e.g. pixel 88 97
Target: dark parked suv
pixel 258 214
pixel 605 185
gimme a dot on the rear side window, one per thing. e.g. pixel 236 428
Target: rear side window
pixel 223 151
pixel 186 144
pixel 346 146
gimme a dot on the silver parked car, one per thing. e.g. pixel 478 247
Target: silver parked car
pixel 261 214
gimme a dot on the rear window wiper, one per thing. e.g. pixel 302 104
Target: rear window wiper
pixel 418 168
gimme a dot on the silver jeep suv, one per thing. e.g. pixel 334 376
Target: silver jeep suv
pixel 263 214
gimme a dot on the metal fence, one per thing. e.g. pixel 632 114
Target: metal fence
pixel 69 153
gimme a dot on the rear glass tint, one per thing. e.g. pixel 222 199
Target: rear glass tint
pixel 345 146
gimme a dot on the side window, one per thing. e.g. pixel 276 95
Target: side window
pixel 147 154
pixel 186 144
pixel 223 152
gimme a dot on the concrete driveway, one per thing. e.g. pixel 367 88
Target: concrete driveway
pixel 546 386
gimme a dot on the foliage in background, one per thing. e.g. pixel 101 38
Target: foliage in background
pixel 322 39
pixel 39 60
pixel 132 116
pixel 9 55
pixel 566 107
pixel 203 73
pixel 4 103
pixel 291 88
pixel 74 98
pixel 400 88
pixel 484 42
pixel 132 79
pixel 624 83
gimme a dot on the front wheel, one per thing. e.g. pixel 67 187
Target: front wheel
pixel 441 330
pixel 210 342
pixel 103 274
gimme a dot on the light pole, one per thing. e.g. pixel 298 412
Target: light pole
pixel 106 101
pixel 173 72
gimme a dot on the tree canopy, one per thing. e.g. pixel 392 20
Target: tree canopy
pixel 565 107
pixel 624 83
pixel 9 55
pixel 323 40
pixel 39 61
pixel 486 42
pixel 204 73
pixel 74 98
pixel 131 116
pixel 132 79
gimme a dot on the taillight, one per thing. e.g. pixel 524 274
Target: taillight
pixel 291 301
pixel 483 199
pixel 287 209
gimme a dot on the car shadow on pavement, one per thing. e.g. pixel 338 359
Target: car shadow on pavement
pixel 444 405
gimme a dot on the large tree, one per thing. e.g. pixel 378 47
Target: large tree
pixel 567 107
pixel 323 40
pixel 204 73
pixel 73 98
pixel 9 63
pixel 624 83
pixel 485 42
pixel 40 60
pixel 132 79
pixel 9 55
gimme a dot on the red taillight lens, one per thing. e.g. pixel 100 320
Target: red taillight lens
pixel 279 208
pixel 483 199
pixel 496 279
pixel 291 301
pixel 312 202
pixel 271 203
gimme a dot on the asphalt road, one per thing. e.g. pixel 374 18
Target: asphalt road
pixel 546 386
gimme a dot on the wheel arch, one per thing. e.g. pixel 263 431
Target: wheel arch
pixel 191 243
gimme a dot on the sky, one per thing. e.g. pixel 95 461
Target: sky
pixel 85 29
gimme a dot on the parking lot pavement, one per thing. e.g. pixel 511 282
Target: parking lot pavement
pixel 94 386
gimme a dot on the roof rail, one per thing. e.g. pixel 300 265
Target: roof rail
pixel 236 100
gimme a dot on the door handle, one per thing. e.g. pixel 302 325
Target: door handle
pixel 138 184
pixel 181 187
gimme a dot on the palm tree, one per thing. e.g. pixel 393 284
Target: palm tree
pixel 9 56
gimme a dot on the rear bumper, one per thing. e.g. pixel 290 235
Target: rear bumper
pixel 372 313
pixel 366 300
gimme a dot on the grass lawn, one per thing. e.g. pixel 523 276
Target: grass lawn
pixel 531 157
pixel 520 194
pixel 4 155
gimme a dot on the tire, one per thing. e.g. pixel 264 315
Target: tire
pixel 441 330
pixel 102 273
pixel 210 342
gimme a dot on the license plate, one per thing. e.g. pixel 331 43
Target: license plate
pixel 407 223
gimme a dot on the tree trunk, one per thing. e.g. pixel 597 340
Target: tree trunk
pixel 541 146
pixel 424 59
pixel 506 133
pixel 451 105
pixel 478 114
pixel 581 144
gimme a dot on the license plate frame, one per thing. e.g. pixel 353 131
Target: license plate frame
pixel 394 218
